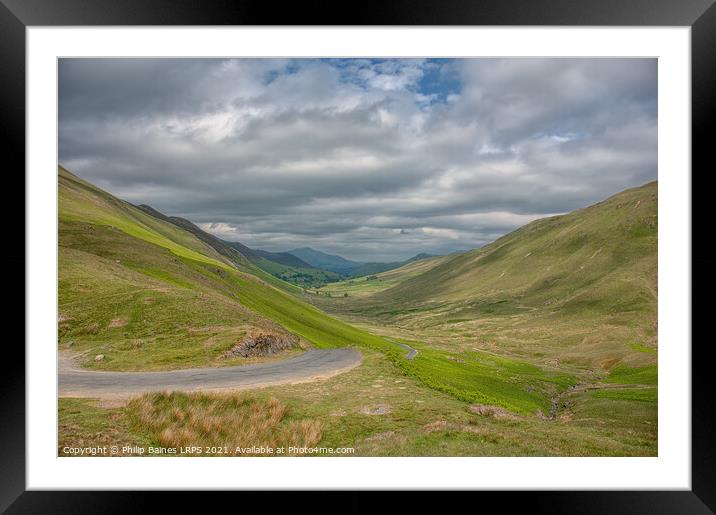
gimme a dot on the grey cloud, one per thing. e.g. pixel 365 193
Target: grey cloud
pixel 353 157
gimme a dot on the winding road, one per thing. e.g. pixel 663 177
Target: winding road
pixel 311 365
pixel 411 352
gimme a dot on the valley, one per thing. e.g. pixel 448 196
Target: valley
pixel 541 343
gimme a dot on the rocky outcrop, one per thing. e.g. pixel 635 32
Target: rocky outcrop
pixel 261 344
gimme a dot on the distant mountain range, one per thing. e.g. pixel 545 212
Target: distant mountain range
pixel 302 266
pixel 346 267
pixel 319 259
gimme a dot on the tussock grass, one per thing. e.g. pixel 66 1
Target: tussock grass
pixel 421 421
pixel 222 420
pixel 83 424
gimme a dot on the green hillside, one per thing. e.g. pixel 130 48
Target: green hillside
pixel 599 259
pixel 139 290
pixel 578 289
pixel 146 294
pixel 289 269
pixel 241 256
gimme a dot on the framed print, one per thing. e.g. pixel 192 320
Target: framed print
pixel 435 249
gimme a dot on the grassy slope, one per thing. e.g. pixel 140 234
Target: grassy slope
pixel 235 253
pixel 600 259
pixel 132 288
pixel 288 269
pixel 137 290
pixel 577 289
pixel 79 201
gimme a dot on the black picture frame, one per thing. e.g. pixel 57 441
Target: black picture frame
pixel 700 15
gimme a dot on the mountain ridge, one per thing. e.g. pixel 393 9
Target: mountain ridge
pixel 319 259
pixel 581 286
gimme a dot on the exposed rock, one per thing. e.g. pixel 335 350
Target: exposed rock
pixel 261 344
pixel 376 409
pixel 99 357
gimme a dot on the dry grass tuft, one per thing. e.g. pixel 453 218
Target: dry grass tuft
pixel 491 411
pixel 222 420
pixel 443 425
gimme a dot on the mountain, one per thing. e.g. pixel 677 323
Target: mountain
pixel 283 258
pixel 144 293
pixel 319 259
pixel 236 253
pixel 420 256
pixel 346 267
pixel 281 265
pixel 579 288
pixel 286 266
pixel 571 261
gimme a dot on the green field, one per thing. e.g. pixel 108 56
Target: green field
pixel 146 294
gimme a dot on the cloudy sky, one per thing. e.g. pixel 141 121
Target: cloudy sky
pixel 375 160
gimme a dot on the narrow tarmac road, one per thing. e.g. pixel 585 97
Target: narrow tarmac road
pixel 311 365
pixel 411 352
